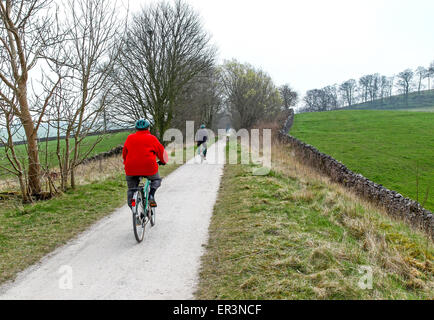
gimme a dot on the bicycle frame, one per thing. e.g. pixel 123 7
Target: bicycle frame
pixel 145 189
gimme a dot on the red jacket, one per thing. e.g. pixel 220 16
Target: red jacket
pixel 140 152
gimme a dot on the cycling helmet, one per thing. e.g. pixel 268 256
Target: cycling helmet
pixel 202 126
pixel 142 124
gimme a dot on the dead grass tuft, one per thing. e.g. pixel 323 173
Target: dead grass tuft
pixel 302 195
pixel 99 170
pixel 86 173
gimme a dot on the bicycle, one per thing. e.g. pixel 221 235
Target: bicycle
pixel 143 213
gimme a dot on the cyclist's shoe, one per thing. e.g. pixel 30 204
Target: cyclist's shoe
pixel 152 201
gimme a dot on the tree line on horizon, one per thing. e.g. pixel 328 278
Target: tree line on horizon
pixel 74 66
pixel 369 88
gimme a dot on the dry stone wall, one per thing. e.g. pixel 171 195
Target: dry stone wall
pixel 104 155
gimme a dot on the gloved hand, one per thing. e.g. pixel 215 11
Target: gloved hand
pixel 161 163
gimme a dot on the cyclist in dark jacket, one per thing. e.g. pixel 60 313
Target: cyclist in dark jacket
pixel 140 153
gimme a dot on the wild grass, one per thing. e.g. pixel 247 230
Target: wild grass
pixel 294 235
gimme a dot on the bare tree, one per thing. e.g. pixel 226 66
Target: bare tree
pixel 324 99
pixel 404 83
pixel 430 74
pixel 92 28
pixel 331 94
pixel 347 89
pixel 382 85
pixel 421 73
pixel 200 101
pixel 164 49
pixel 289 96
pixel 374 86
pixel 369 85
pixel 314 101
pixel 16 164
pixel 27 30
pixel 390 86
pixel 365 84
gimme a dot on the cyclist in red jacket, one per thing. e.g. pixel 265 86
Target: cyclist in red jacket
pixel 140 153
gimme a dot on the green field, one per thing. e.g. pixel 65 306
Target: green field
pixel 417 101
pixel 108 142
pixel 392 148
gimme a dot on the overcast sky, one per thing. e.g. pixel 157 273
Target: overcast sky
pixel 314 43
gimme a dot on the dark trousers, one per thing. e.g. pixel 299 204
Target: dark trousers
pixel 133 184
pixel 205 145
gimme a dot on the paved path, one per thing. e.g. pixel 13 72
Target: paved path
pixel 106 262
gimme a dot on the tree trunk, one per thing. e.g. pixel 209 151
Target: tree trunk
pixel 23 189
pixel 32 144
pixel 66 161
pixel 73 185
pixel 73 164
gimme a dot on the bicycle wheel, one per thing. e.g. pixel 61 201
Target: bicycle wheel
pixel 139 222
pixel 150 211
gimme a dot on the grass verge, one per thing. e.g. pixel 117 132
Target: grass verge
pixel 294 235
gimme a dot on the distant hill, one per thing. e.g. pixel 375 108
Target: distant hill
pixel 423 101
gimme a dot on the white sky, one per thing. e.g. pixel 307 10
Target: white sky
pixel 314 43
